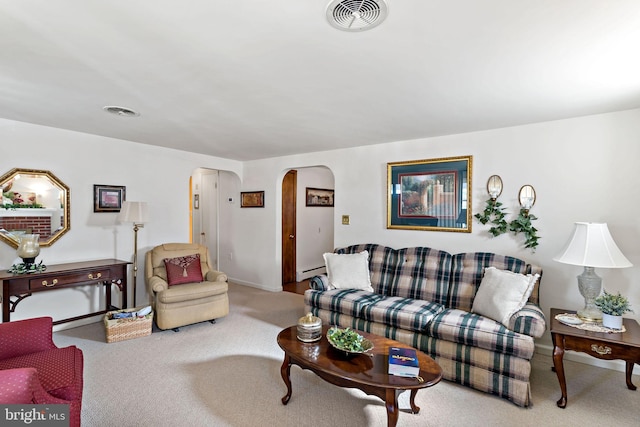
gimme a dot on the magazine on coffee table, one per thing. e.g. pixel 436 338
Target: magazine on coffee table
pixel 403 362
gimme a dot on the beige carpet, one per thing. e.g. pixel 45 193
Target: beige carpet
pixel 228 374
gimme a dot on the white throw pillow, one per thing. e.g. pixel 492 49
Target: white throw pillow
pixel 502 293
pixel 348 271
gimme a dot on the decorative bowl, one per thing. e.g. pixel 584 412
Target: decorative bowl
pixel 348 341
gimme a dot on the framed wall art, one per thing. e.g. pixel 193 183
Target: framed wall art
pixel 319 197
pixel 108 198
pixel 432 195
pixel 252 199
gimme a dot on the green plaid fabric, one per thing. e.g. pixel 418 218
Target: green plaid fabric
pixel 405 313
pixel 423 298
pixel 319 283
pixel 346 301
pixel 471 329
pixel 468 270
pixel 498 374
pixel 418 273
pixel 529 321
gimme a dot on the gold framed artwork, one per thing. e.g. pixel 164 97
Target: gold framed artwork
pixel 430 195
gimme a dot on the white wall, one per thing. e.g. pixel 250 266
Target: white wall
pixel 314 224
pixel 156 175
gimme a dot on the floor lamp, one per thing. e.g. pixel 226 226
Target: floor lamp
pixel 138 214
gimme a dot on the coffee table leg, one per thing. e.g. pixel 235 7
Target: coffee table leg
pixel 414 409
pixel 285 371
pixel 391 402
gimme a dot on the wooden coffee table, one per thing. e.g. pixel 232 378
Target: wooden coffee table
pixel 367 372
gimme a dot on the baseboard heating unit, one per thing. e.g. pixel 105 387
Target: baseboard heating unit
pixel 306 274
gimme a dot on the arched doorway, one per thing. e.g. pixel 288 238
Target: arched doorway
pixel 307 231
pixel 204 210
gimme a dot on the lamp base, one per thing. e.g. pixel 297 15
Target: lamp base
pixel 590 314
pixel 590 285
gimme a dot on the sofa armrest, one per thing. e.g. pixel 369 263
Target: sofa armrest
pixel 216 276
pixel 320 283
pixel 158 284
pixel 530 320
pixel 25 336
pixel 22 385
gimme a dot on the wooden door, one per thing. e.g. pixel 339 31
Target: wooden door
pixel 289 188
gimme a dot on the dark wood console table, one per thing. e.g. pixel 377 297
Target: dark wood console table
pixel 104 272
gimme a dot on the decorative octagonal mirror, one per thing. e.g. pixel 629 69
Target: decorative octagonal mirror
pixel 33 202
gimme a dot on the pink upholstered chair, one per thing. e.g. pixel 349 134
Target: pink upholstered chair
pixel 34 371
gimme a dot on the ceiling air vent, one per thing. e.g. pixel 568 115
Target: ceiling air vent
pixel 356 15
pixel 121 111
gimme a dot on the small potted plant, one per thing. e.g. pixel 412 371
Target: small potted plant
pixel 612 307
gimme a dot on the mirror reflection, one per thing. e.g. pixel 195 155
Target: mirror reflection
pixel 494 186
pixel 33 202
pixel 527 196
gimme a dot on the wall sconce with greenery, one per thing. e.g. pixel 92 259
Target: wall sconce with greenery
pixel 494 212
pixel 522 224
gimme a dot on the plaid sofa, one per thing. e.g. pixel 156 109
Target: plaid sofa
pixel 423 297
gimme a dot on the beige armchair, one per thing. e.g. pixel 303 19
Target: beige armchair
pixel 185 303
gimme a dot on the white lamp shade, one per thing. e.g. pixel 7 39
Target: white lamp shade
pixel 592 246
pixel 136 212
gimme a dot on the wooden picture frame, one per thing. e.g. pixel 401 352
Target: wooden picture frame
pixel 252 199
pixel 108 198
pixel 319 197
pixel 430 195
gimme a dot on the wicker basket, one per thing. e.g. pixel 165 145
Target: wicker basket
pixel 128 328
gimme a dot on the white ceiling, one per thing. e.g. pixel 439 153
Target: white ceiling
pixel 250 79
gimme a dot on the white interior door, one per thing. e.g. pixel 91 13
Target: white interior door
pixel 205 217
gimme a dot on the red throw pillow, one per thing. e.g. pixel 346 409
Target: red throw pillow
pixel 184 269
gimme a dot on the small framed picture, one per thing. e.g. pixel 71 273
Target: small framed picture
pixel 319 197
pixel 252 199
pixel 108 198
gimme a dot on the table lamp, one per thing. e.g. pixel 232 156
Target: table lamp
pixel 591 246
pixel 138 214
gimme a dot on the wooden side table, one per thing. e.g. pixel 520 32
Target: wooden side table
pixel 610 346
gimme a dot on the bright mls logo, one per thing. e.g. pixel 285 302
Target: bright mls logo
pixel 34 415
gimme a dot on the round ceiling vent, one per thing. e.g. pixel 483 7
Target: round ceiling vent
pixel 121 111
pixel 356 15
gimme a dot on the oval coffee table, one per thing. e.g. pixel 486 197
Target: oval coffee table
pixel 367 372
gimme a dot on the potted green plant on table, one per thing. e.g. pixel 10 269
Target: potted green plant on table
pixel 612 307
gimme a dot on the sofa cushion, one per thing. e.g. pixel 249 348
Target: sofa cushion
pixel 404 313
pixel 184 269
pixel 502 293
pixel 346 301
pixel 348 271
pixel 478 331
pixel 59 370
pixel 467 272
pixel 192 291
pixel 418 272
